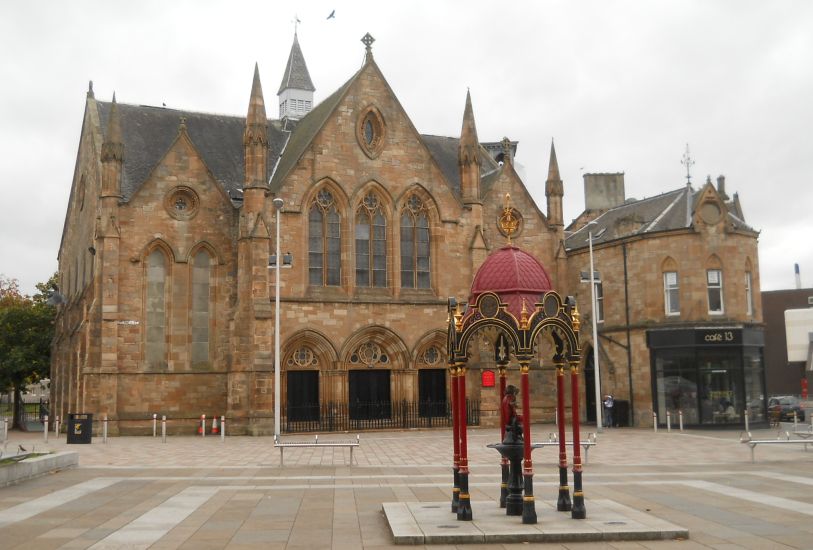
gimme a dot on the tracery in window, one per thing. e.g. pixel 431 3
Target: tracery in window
pixel 303 357
pixel 155 310
pixel 324 241
pixel 371 243
pixel 369 354
pixel 415 260
pixel 371 131
pixel 201 273
pixel 431 356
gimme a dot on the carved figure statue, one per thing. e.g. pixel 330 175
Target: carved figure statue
pixel 513 421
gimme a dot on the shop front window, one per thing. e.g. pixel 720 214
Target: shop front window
pixel 676 380
pixel 720 391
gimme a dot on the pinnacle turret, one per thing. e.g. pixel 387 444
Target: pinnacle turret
pixel 553 165
pixel 255 136
pixel 256 103
pixel 468 156
pixel 554 190
pixel 469 149
pixel 113 145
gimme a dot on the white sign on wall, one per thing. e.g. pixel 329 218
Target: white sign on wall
pixel 798 330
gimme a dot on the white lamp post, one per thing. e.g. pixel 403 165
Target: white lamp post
pixel 594 316
pixel 278 204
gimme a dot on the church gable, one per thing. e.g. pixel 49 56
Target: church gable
pixel 533 225
pixel 181 201
pixel 362 133
pixel 709 212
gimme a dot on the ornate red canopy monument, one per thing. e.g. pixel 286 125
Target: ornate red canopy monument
pixel 512 293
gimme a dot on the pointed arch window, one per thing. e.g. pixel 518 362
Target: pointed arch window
pixel 371 243
pixel 415 259
pixel 156 310
pixel 201 307
pixel 324 241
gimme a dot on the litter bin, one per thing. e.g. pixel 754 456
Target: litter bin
pixel 621 413
pixel 80 427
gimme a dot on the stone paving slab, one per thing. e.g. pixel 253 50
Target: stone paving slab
pixel 607 521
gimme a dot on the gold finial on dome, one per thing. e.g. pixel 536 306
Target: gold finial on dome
pixel 509 223
pixel 523 316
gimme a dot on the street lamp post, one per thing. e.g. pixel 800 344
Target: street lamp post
pixel 278 204
pixel 593 315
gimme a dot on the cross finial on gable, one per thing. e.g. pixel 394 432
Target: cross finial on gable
pixel 368 40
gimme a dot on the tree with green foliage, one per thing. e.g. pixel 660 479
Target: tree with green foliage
pixel 26 330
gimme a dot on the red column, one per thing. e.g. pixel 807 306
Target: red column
pixel 563 503
pixel 528 505
pixel 455 438
pixel 464 503
pixel 578 511
pixel 503 460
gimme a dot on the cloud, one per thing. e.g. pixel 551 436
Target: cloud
pixel 621 86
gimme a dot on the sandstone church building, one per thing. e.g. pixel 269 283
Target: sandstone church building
pixel 169 299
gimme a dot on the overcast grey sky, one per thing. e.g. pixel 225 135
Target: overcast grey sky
pixel 621 86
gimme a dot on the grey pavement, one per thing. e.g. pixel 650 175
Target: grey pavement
pixel 192 492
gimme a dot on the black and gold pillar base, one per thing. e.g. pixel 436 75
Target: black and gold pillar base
pixel 464 502
pixel 563 503
pixel 528 504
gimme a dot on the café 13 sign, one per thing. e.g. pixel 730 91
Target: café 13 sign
pixel 723 336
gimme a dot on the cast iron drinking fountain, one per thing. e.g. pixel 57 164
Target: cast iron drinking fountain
pixel 511 448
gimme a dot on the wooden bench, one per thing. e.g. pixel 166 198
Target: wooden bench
pixel 282 445
pixel 751 442
pixel 553 441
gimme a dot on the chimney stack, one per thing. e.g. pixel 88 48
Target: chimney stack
pixel 721 186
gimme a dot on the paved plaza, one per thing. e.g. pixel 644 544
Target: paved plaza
pixel 199 493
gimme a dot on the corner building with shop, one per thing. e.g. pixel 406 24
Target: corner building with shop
pixel 168 299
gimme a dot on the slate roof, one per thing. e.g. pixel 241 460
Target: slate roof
pixel 663 212
pixel 444 151
pixel 148 132
pixel 296 73
pixel 306 130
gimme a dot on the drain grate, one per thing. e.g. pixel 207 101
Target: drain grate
pixel 448 527
pixel 435 506
pixel 615 523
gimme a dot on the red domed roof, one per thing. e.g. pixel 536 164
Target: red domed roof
pixel 512 274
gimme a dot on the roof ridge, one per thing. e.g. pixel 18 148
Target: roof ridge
pixel 184 111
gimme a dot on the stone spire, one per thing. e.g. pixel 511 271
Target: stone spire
pixel 112 158
pixel 554 190
pixel 468 156
pixel 113 145
pixel 296 89
pixel 256 103
pixel 255 136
